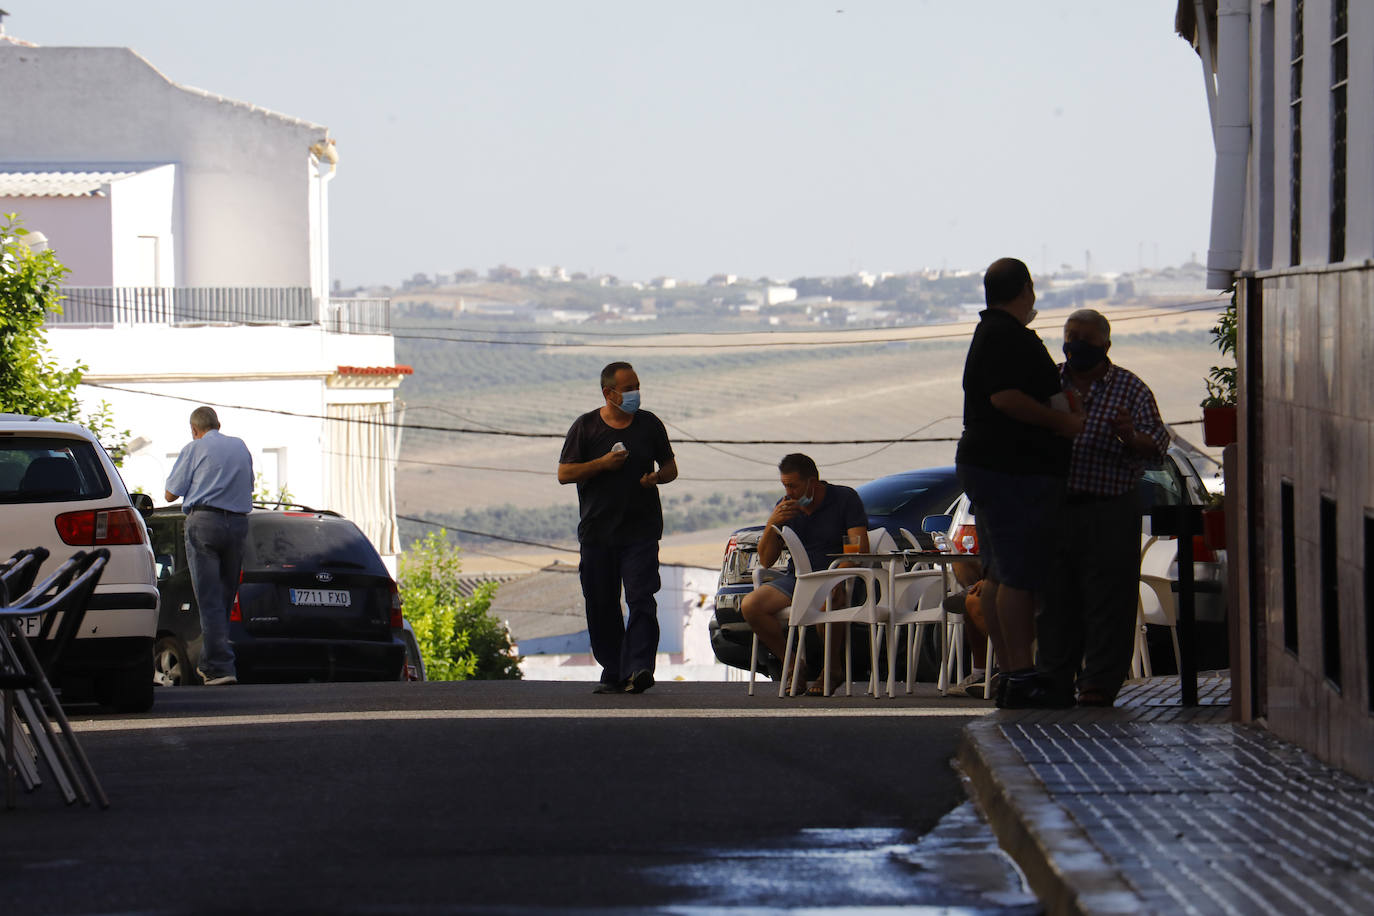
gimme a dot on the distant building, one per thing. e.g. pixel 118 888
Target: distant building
pixel 1291 88
pixel 777 295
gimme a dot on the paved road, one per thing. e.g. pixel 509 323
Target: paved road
pixel 396 798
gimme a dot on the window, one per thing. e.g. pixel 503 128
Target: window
pixel 1331 594
pixel 1340 41
pixel 1289 567
pixel 294 541
pixel 38 470
pixel 1295 140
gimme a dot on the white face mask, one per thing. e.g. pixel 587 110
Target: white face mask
pixel 805 501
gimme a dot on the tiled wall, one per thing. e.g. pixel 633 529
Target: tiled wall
pixel 1318 434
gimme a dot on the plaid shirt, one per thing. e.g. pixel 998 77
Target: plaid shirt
pixel 1101 463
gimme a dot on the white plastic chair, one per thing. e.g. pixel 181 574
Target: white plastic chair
pixel 1165 615
pixel 811 607
pixel 916 602
pixel 910 539
pixel 761 575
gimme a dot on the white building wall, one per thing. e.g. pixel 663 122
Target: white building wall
pixel 1307 419
pixel 244 171
pixel 143 229
pixel 268 385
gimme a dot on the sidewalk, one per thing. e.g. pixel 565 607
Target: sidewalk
pixel 1153 808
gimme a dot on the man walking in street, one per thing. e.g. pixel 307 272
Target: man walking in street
pixel 1012 460
pixel 213 476
pixel 619 455
pixel 1087 629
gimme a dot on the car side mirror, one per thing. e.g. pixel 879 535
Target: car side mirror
pixel 933 523
pixel 142 503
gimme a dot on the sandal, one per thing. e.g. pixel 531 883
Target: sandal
pixel 817 687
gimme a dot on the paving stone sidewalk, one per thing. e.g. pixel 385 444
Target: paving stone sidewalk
pixel 1154 808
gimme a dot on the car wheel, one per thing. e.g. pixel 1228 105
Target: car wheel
pixel 128 689
pixel 172 664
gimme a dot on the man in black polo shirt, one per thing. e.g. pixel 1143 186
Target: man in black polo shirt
pixel 1013 459
pixel 618 455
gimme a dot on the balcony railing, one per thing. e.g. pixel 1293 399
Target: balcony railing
pixel 359 316
pixel 183 306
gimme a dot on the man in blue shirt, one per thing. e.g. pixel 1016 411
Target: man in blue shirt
pixel 213 476
pixel 822 514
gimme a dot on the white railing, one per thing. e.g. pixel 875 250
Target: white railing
pixel 104 306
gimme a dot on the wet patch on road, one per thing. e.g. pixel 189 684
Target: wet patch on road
pixel 957 868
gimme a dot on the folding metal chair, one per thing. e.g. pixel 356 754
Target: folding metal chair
pixel 60 603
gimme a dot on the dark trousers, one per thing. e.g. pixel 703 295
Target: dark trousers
pixel 214 551
pixel 1086 628
pixel 620 646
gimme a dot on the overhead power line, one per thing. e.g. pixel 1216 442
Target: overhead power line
pixel 487 534
pixel 525 434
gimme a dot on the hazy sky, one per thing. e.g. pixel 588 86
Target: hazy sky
pixel 755 137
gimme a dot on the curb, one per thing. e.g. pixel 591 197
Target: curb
pixel 1064 868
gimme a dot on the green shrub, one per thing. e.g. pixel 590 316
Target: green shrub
pixel 458 637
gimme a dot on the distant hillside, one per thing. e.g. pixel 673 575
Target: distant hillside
pixel 793 395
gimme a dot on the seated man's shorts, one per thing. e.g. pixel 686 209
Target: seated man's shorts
pixel 1017 517
pixel 786 583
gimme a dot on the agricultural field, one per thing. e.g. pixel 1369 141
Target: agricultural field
pixel 733 403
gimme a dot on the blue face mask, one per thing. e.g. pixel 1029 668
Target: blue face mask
pixel 629 401
pixel 805 501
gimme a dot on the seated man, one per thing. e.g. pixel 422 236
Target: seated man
pixel 821 514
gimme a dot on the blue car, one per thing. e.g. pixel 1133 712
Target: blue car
pixel 894 502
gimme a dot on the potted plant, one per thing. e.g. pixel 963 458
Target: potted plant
pixel 1219 407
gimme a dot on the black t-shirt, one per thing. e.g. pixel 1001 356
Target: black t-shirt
pixel 614 508
pixel 1004 354
pixel 822 532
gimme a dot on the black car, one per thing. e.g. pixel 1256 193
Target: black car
pixel 894 502
pixel 315 602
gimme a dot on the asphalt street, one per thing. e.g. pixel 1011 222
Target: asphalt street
pixel 499 797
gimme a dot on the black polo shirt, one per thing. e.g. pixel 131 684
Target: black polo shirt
pixel 614 508
pixel 1005 354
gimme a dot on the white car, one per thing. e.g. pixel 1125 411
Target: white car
pixel 59 490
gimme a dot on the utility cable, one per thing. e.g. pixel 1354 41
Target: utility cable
pixel 487 534
pixel 521 433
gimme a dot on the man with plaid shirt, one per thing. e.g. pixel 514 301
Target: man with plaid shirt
pixel 1087 627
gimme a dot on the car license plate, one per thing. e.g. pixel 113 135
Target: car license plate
pixel 321 597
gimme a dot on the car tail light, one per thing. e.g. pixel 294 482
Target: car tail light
pixel 965 531
pixel 236 612
pixel 99 527
pixel 397 618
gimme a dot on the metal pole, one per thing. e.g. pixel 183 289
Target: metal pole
pixel 1188 518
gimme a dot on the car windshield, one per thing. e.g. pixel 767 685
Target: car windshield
pixel 308 542
pixel 886 495
pixel 39 470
